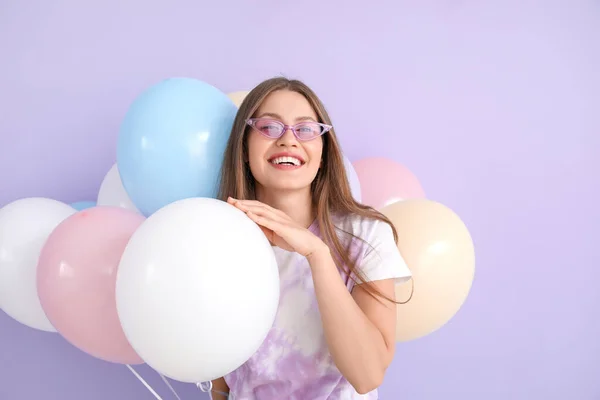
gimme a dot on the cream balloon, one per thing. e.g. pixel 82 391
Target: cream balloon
pixel 112 193
pixel 439 251
pixel 238 97
pixel 197 289
pixel 25 225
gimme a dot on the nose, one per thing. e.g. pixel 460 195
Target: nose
pixel 287 139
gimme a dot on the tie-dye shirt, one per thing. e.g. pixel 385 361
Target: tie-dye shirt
pixel 294 362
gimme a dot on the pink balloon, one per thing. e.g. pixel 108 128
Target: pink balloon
pixel 384 182
pixel 76 280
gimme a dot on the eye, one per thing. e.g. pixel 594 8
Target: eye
pixel 308 128
pixel 268 126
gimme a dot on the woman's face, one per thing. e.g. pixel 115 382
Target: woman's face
pixel 285 163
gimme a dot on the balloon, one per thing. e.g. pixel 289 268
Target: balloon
pixel 352 180
pixel 238 97
pixel 197 289
pixel 172 141
pixel 25 225
pixel 76 280
pixel 112 192
pixel 439 252
pixel 82 205
pixel 384 182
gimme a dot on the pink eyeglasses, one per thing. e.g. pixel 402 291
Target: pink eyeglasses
pixel 274 129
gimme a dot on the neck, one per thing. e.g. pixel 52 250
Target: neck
pixel 296 204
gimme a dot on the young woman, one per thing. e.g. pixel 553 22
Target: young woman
pixel 334 332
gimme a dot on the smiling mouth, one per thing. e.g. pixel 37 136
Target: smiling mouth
pixel 287 160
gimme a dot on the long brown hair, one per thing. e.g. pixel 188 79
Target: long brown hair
pixel 331 193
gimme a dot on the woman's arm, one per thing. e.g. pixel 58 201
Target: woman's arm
pixel 220 390
pixel 359 330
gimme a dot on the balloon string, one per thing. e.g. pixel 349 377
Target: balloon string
pixel 134 372
pixel 207 387
pixel 165 380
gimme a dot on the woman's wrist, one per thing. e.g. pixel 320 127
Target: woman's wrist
pixel 320 252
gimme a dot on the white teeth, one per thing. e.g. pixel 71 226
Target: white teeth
pixel 290 160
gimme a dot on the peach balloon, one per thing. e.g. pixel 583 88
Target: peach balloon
pixel 439 252
pixel 384 182
pixel 238 97
pixel 76 280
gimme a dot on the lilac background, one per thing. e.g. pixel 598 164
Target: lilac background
pixel 494 105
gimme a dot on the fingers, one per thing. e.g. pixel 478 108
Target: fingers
pixel 255 205
pixel 266 222
pixel 259 208
pixel 275 224
pixel 260 213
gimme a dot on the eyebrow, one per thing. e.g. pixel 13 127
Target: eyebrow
pixel 277 116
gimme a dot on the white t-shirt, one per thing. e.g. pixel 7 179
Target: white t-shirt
pixel 294 362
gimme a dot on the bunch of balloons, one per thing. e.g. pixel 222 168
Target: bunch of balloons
pixel 158 271
pixel 432 239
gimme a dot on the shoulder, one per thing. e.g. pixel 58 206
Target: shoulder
pixel 362 229
pixel 378 254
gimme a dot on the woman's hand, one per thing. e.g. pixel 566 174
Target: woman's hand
pixel 279 228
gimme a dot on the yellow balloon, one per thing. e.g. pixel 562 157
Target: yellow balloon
pixel 439 251
pixel 238 97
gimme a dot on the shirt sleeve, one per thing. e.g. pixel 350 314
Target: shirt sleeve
pixel 382 259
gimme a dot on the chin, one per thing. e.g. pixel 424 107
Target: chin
pixel 286 186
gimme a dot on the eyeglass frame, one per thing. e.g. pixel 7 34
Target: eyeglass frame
pixel 326 128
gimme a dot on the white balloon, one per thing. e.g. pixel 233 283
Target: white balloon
pixel 197 289
pixel 353 179
pixel 25 225
pixel 112 193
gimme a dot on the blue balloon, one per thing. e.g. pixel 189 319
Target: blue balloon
pixel 171 143
pixel 82 205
